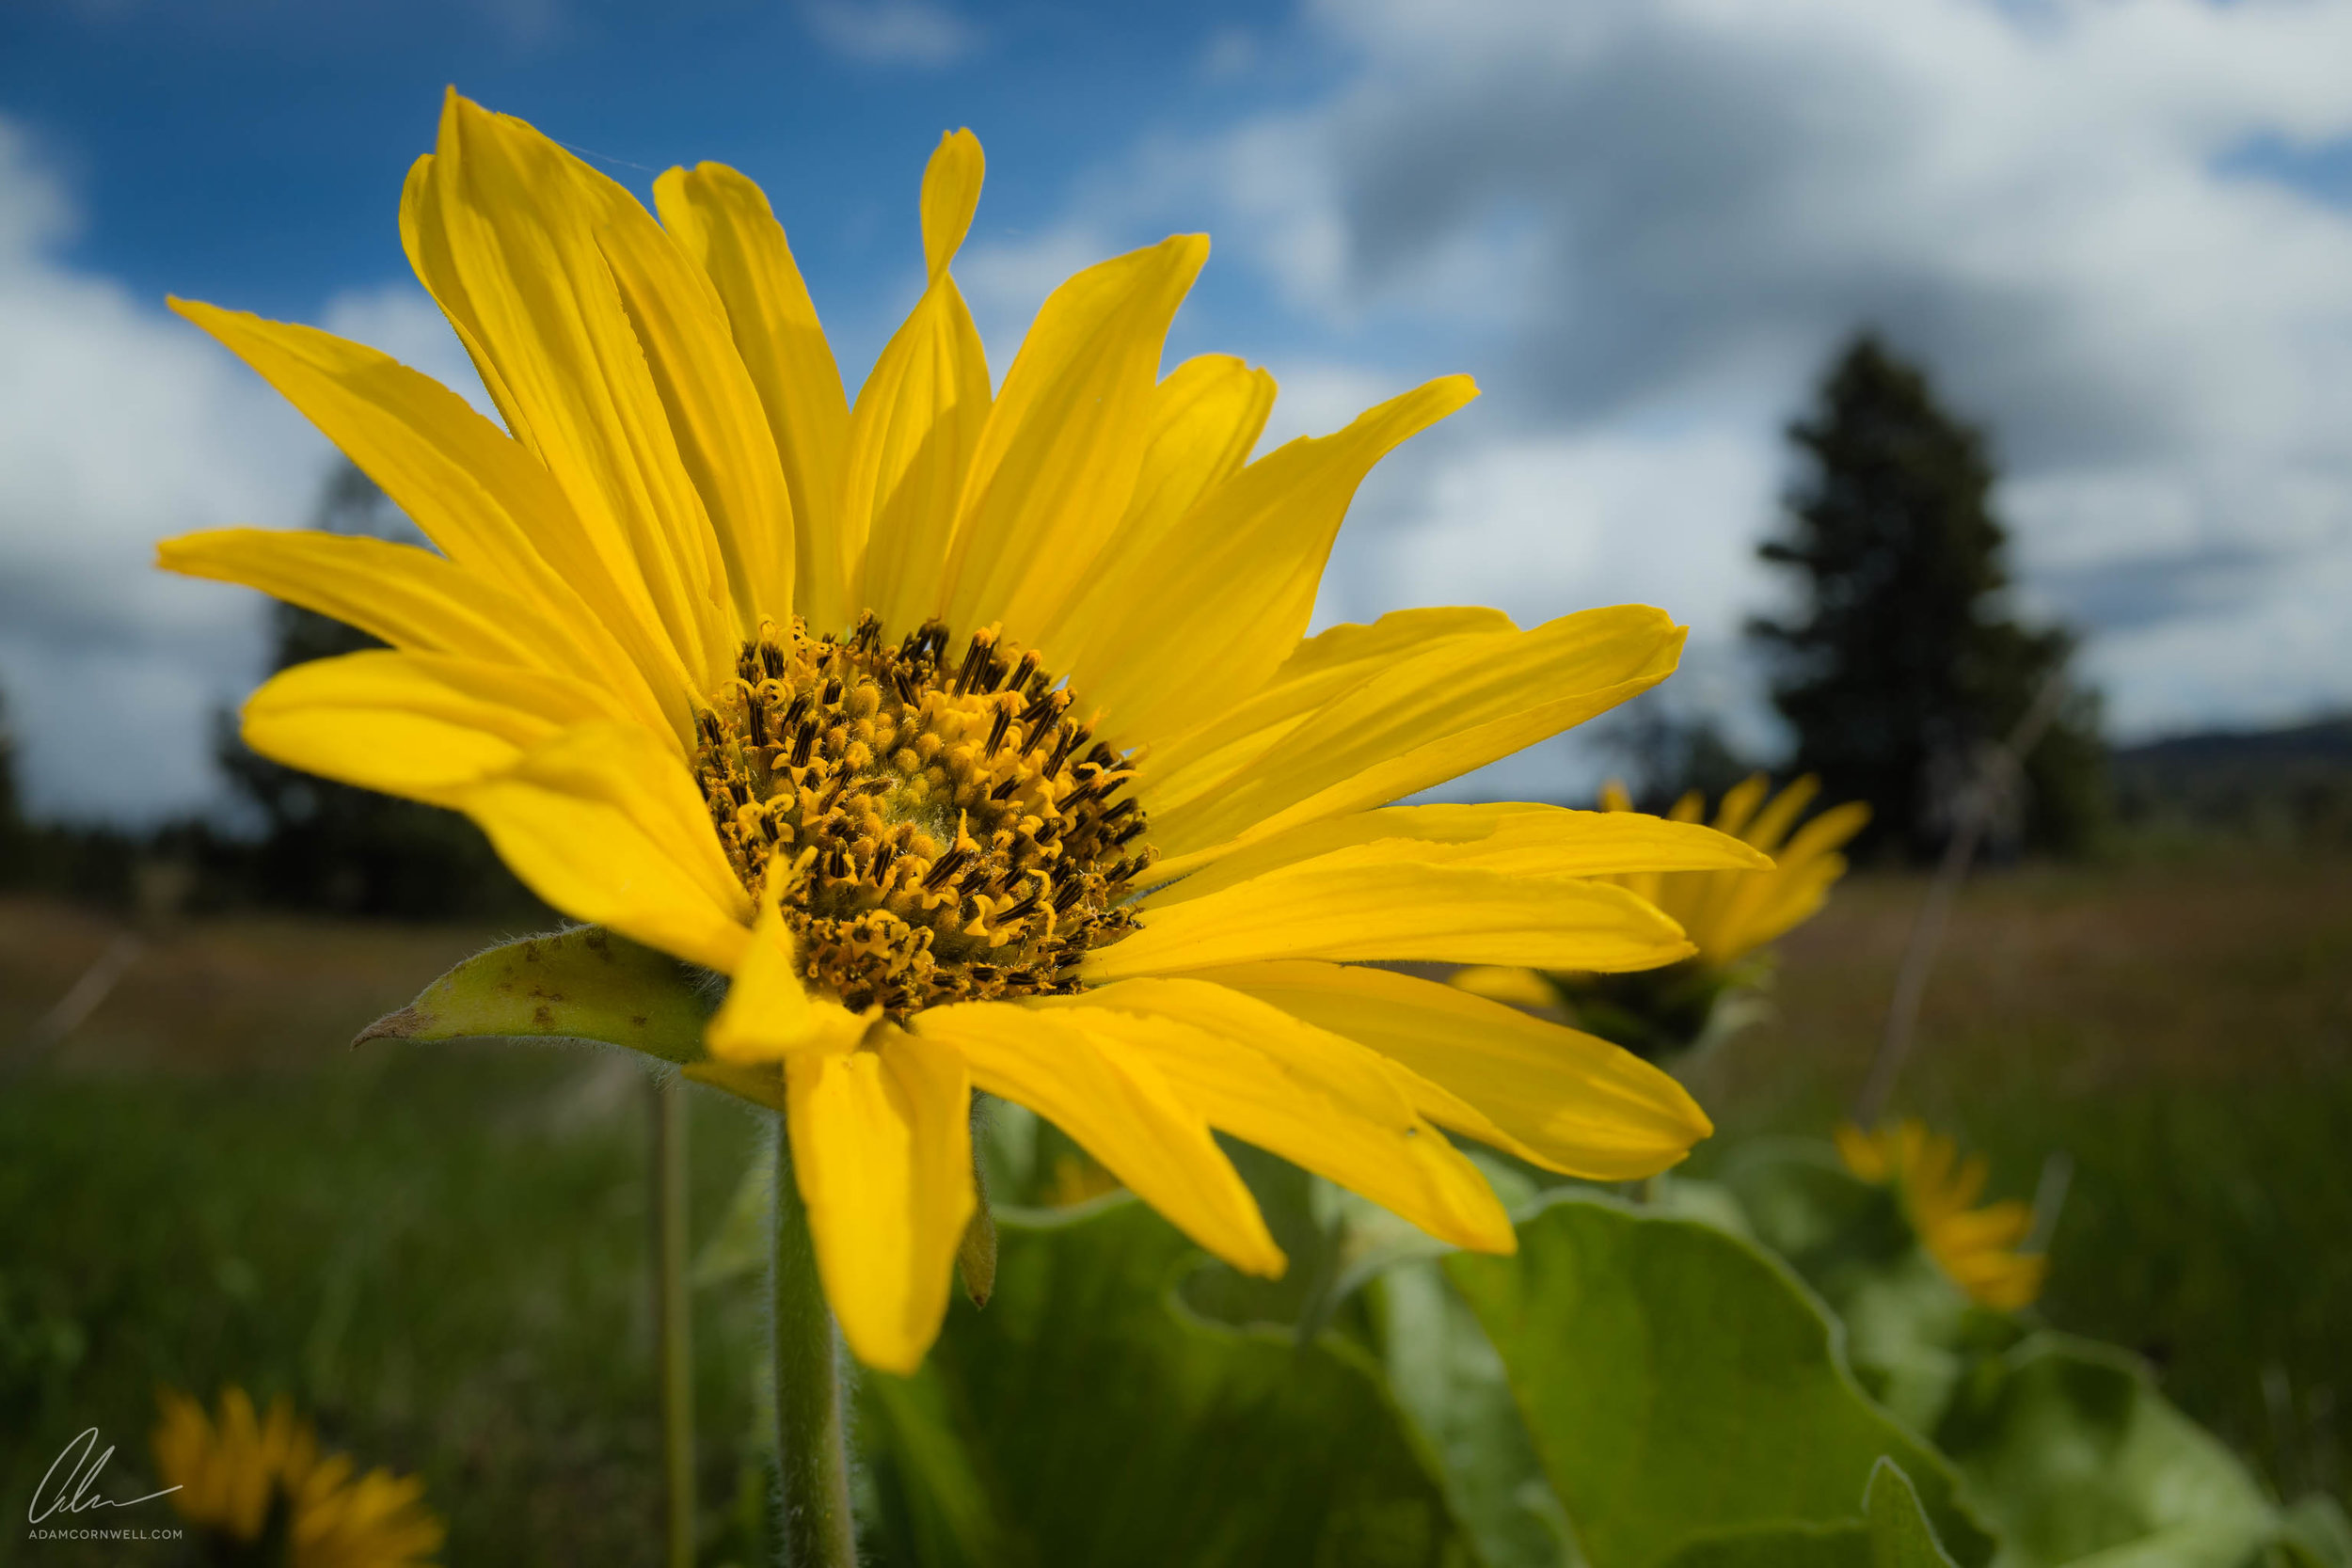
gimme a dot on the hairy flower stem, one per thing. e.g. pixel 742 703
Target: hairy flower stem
pixel 811 1446
pixel 673 1325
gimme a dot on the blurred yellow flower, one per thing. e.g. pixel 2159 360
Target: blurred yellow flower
pixel 1726 913
pixel 1729 914
pixel 246 1475
pixel 1976 1247
pixel 973 731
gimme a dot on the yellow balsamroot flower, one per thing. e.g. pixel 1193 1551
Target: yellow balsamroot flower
pixel 246 1475
pixel 1726 913
pixel 1976 1247
pixel 1730 914
pixel 972 731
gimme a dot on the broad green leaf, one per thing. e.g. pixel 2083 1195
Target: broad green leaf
pixel 1445 1376
pixel 1678 1382
pixel 1900 1536
pixel 1892 1531
pixel 585 984
pixel 2316 1534
pixel 940 1509
pixel 1911 1334
pixel 1846 1546
pixel 1104 1424
pixel 2076 1457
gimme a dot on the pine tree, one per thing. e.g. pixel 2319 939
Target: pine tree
pixel 1903 664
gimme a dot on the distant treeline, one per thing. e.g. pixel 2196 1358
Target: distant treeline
pixel 304 842
pixel 2287 785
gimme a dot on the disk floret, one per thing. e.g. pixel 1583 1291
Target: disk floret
pixel 947 831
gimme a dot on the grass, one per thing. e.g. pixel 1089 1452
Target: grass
pixel 2181 1032
pixel 440 1253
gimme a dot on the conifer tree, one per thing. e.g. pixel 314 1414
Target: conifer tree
pixel 1904 662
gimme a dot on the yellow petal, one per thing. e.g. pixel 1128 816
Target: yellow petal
pixel 1864 1156
pixel 951 194
pixel 1182 768
pixel 501 230
pixel 1317 1099
pixel 1539 840
pixel 1203 418
pixel 917 423
pixel 1773 823
pixel 408 598
pixel 769 1012
pixel 881 1150
pixel 1205 415
pixel 412 725
pixel 1580 1104
pixel 1174 634
pixel 1740 803
pixel 1518 987
pixel 1063 444
pixel 476 494
pixel 1118 1107
pixel 1456 706
pixel 723 221
pixel 606 825
pixel 1382 901
pixel 715 413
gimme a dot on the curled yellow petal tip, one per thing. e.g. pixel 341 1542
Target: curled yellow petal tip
pixel 951 194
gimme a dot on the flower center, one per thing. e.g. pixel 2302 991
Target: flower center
pixel 947 831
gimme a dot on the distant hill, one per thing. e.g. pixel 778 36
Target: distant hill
pixel 2294 782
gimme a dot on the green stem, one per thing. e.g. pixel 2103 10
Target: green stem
pixel 810 1444
pixel 674 1326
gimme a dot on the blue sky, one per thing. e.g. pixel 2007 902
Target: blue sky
pixel 2119 231
pixel 254 151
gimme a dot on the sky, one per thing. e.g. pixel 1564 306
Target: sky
pixel 2118 233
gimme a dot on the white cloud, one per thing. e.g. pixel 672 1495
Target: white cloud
pixel 1646 222
pixel 892 32
pixel 118 426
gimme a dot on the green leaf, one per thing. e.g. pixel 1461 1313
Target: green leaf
pixel 1678 1382
pixel 1103 1423
pixel 1445 1376
pixel 1911 1334
pixel 1900 1536
pixel 1846 1546
pixel 2074 1452
pixel 1892 1533
pixel 585 984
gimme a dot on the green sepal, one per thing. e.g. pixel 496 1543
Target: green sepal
pixel 585 984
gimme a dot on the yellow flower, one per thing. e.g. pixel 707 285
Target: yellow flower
pixel 247 1473
pixel 1976 1247
pixel 973 733
pixel 1730 914
pixel 1726 913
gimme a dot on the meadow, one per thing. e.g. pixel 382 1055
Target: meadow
pixel 440 1251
